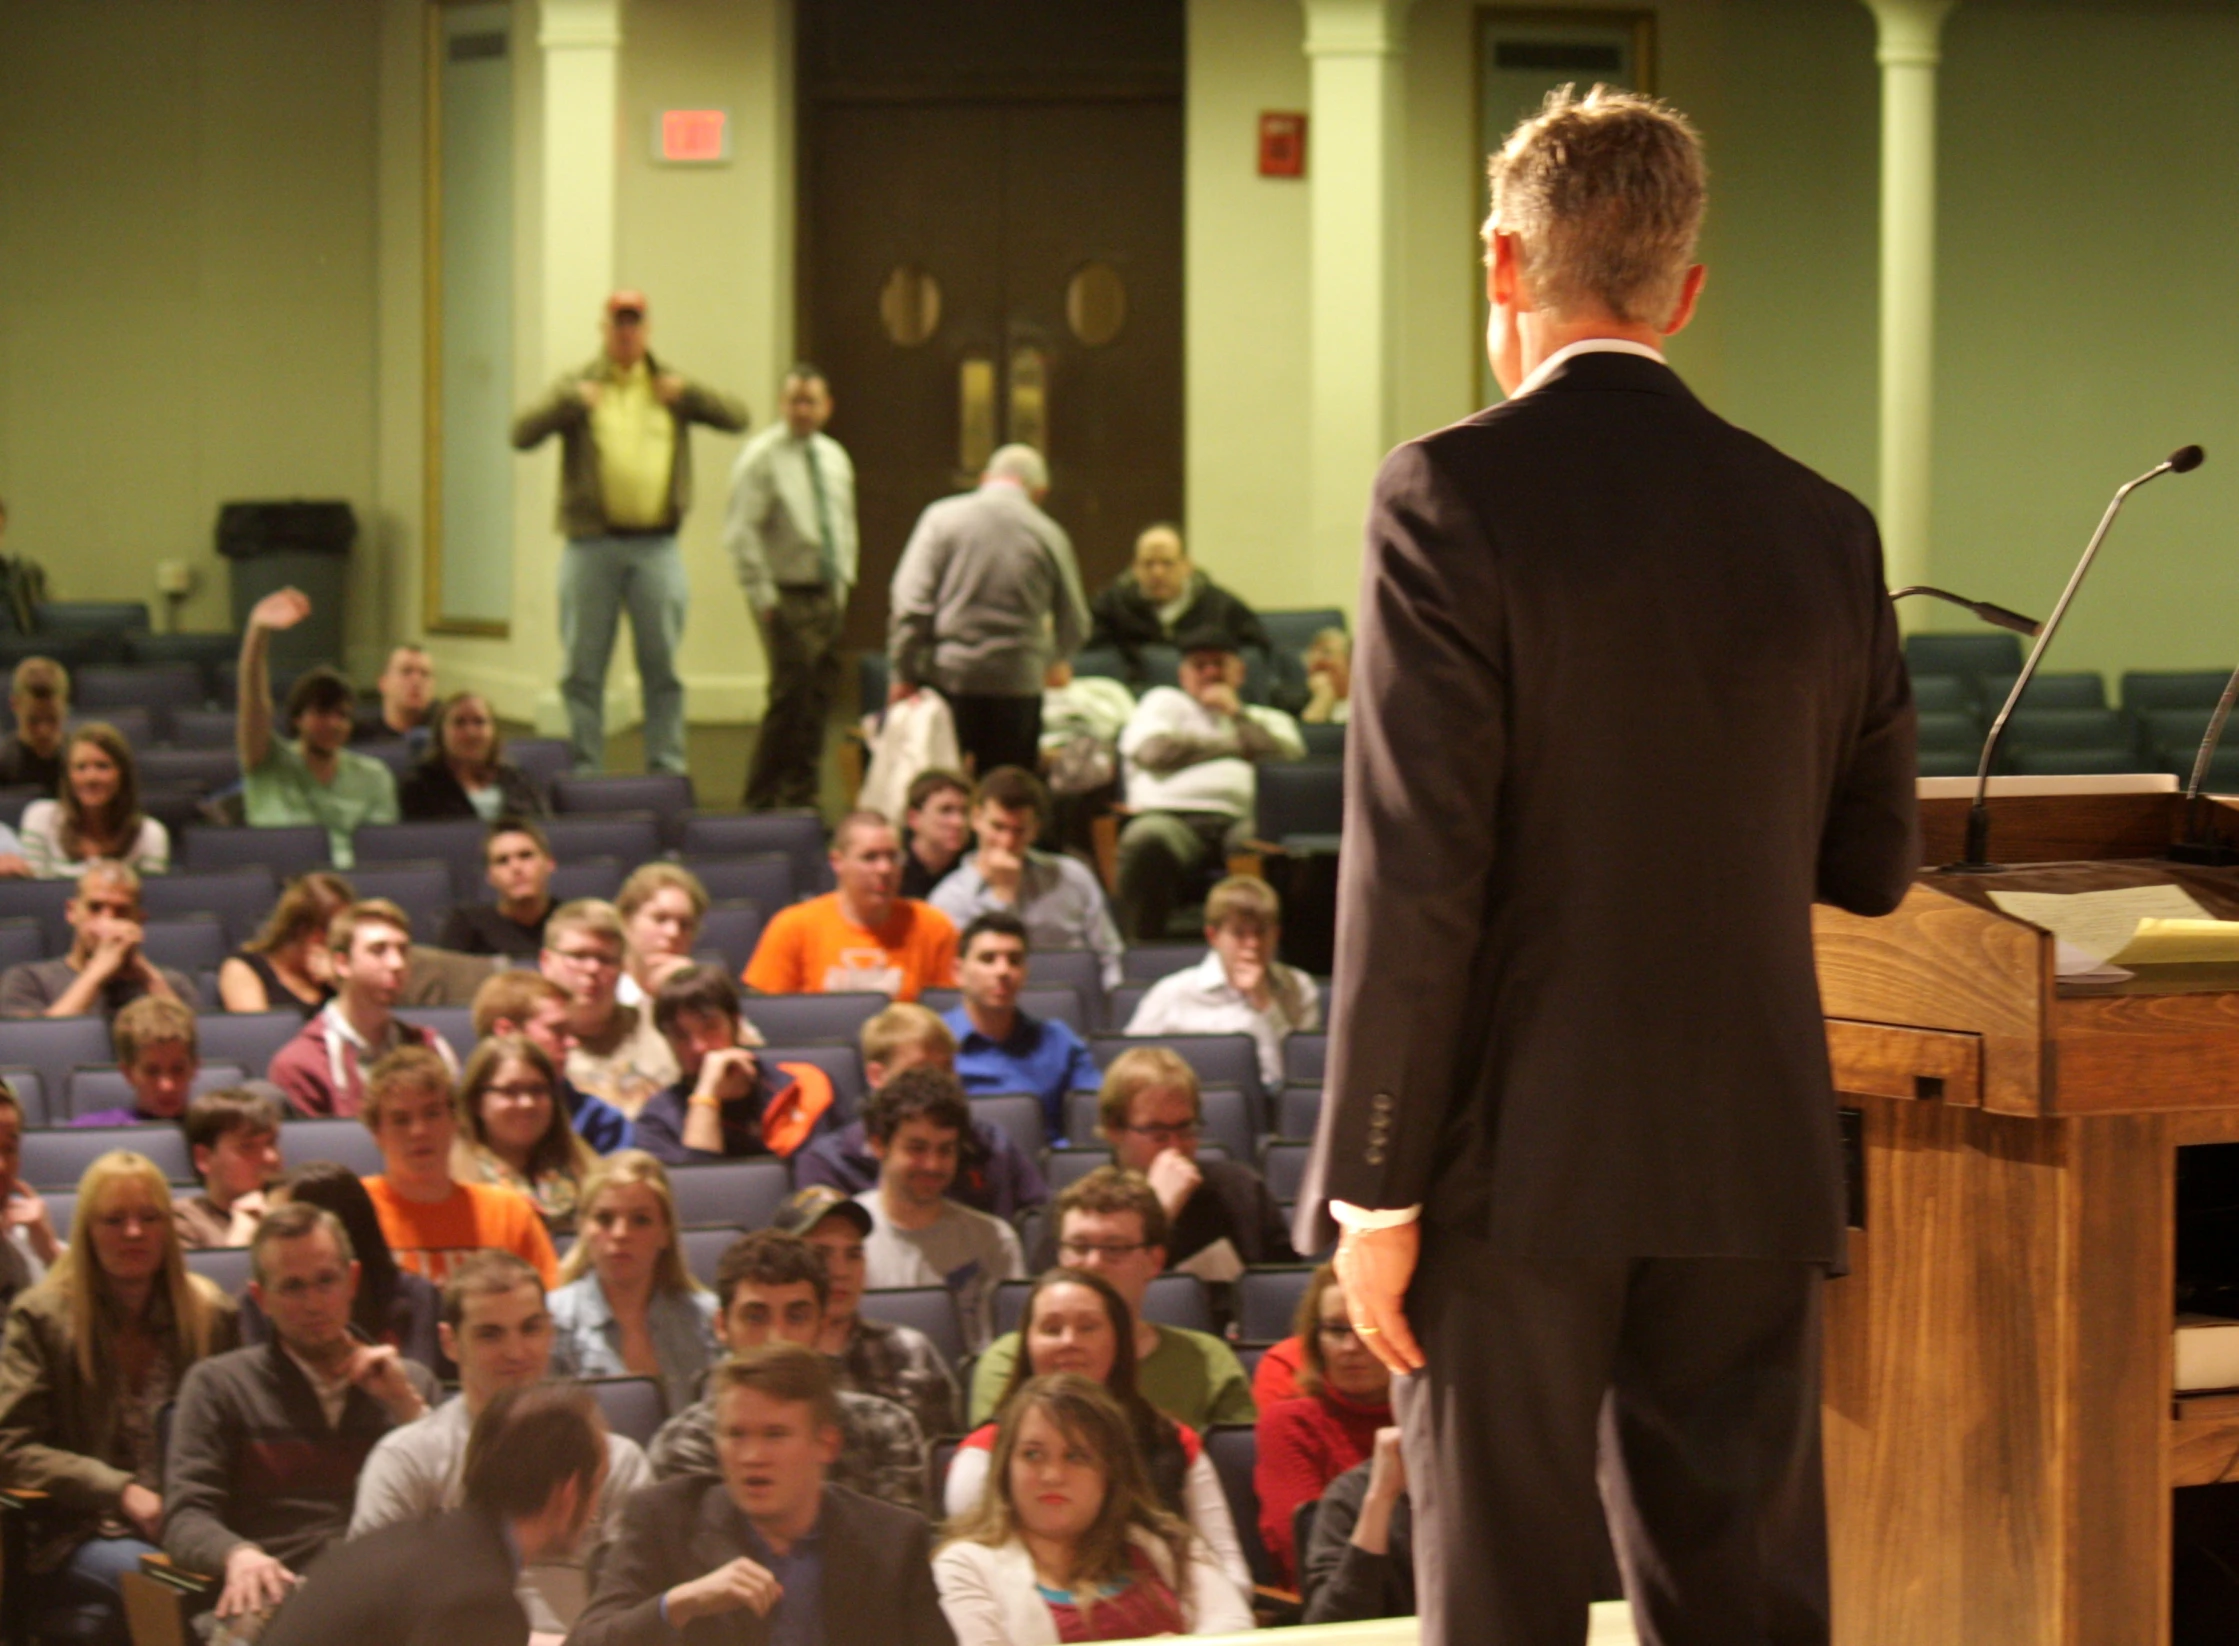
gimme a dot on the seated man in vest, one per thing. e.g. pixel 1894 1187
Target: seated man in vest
pixel 1111 1224
pixel 863 937
pixel 808 1561
pixel 772 1287
pixel 106 970
pixel 498 1330
pixel 323 1068
pixel 318 778
pixel 994 1175
pixel 267 1442
pixel 727 1104
pixel 1056 897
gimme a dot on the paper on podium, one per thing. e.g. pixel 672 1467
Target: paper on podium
pixel 2130 926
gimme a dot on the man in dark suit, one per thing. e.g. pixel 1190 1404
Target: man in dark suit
pixel 1627 699
pixel 769 1552
pixel 533 1471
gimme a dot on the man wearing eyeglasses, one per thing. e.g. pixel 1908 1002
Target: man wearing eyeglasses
pixel 1111 1224
pixel 619 1057
pixel 268 1442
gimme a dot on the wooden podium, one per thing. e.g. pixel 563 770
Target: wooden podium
pixel 2002 1439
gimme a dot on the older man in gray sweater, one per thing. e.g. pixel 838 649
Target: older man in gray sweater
pixel 987 593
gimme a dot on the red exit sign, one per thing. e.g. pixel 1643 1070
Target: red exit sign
pixel 694 137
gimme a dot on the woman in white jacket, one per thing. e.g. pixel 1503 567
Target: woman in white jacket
pixel 1069 1543
pixel 1075 1322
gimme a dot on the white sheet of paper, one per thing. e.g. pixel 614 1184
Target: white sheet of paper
pixel 2100 923
pixel 2074 965
pixel 1217 1264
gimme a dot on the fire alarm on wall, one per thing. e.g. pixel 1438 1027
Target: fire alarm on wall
pixel 1282 145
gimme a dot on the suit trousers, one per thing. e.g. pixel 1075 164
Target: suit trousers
pixel 599 578
pixel 998 730
pixel 1694 1380
pixel 801 638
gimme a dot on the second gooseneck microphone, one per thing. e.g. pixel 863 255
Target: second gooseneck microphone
pixel 2181 461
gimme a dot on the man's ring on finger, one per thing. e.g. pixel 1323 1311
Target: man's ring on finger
pixel 1368 1331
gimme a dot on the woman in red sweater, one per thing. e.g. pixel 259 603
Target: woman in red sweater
pixel 1307 1442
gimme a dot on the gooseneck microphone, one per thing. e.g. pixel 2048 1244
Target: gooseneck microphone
pixel 1998 616
pixel 2204 843
pixel 2181 461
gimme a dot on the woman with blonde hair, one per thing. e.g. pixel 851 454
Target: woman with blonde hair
pixel 98 815
pixel 286 965
pixel 1069 1543
pixel 464 772
pixel 626 1305
pixel 661 905
pixel 91 1354
pixel 516 1132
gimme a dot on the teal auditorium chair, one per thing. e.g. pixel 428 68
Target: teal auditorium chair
pixel 1943 694
pixel 2047 691
pixel 1950 729
pixel 1969 655
pixel 2147 691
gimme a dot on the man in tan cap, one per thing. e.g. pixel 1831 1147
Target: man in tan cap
pixel 625 482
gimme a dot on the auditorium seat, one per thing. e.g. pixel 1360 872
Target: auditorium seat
pixel 1081 969
pixel 454 1023
pixel 423 890
pixel 202 770
pixel 1948 762
pixel 160 686
pixel 664 794
pixel 1148 962
pixel 455 842
pixel 2044 762
pixel 187 943
pixel 393 752
pixel 1283 1164
pixel 1298 1109
pixel 226 1267
pixel 1970 655
pixel 2175 733
pixel 1267 1300
pixel 1323 742
pixel 250 1039
pixel 1062 1168
pixel 30 1088
pixel 202 728
pixel 23 941
pixel 58 1156
pixel 799 1019
pixel 729 931
pixel 203 651
pixel 1950 729
pixel 1097 663
pixel 767 877
pixel 54 1046
pixel 139 727
pixel 2047 691
pixel 1081 1115
pixel 2146 690
pixel 798 834
pixel 1292 629
pixel 634 1407
pixel 599 877
pixel 1232 1119
pixel 1219 1059
pixel 2070 729
pixel 1234 1449
pixel 1170 1300
pixel 544 759
pixel 1043 1000
pixel 290 850
pixel 14 797
pixel 90 1090
pixel 927 1309
pixel 345 1141
pixel 633 839
pixel 742 1194
pixel 1305 1056
pixel 42 901
pixel 704 1249
pixel 1301 805
pixel 1018 1114
pixel 1943 694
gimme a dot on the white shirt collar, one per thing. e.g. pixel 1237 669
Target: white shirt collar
pixel 1585 345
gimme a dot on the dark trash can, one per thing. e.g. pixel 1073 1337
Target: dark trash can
pixel 302 545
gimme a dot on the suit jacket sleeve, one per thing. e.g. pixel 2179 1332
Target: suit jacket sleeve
pixel 1871 844
pixel 1425 755
pixel 625 1610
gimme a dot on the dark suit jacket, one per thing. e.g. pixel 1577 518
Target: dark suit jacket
pixel 441 1582
pixel 877 1561
pixel 1627 699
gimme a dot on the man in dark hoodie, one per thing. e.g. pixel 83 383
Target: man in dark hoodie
pixel 1162 594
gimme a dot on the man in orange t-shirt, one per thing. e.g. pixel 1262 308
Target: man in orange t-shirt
pixel 863 938
pixel 430 1219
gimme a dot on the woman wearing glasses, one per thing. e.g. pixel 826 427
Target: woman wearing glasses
pixel 1075 1321
pixel 91 1355
pixel 516 1133
pixel 1345 1396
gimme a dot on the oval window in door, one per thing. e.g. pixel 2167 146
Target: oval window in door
pixel 909 305
pixel 1096 304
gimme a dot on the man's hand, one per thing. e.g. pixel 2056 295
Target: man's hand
pixel 247 1211
pixel 731 1586
pixel 1374 1267
pixel 1174 1177
pixel 379 1371
pixel 253 1581
pixel 1247 975
pixel 143 1509
pixel 13 867
pixel 1001 870
pixel 589 392
pixel 669 387
pixel 726 1075
pixel 1220 697
pixel 25 1210
pixel 281 609
pixel 115 947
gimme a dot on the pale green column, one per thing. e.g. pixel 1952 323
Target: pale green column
pixel 581 40
pixel 1908 50
pixel 1356 51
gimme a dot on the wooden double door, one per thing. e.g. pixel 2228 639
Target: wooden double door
pixel 978 269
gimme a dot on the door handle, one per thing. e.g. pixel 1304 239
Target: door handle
pixel 975 416
pixel 1029 420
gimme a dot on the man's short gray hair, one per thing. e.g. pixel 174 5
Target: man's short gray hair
pixel 1604 195
pixel 1020 463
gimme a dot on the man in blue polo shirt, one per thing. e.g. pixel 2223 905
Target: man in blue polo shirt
pixel 1000 1048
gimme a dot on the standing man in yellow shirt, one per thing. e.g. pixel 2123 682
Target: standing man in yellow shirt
pixel 625 482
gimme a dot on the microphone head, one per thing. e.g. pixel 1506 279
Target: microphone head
pixel 2185 459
